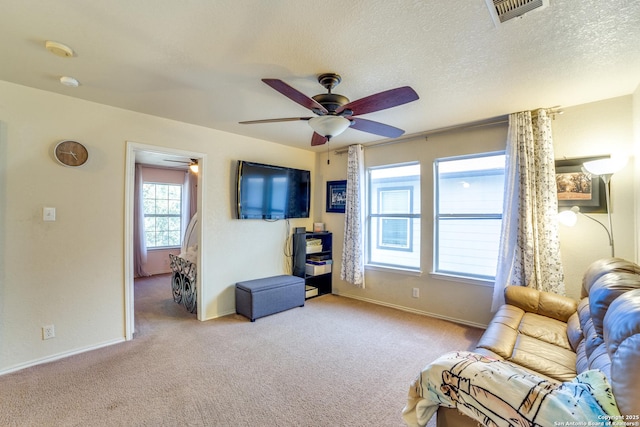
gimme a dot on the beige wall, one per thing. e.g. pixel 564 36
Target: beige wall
pixel 70 273
pixel 603 127
pixel 597 128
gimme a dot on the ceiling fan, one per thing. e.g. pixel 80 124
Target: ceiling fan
pixel 193 163
pixel 335 113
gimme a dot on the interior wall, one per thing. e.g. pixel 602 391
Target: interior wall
pixel 70 273
pixel 584 130
pixel 604 127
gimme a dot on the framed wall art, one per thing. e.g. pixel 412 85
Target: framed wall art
pixel 575 187
pixel 336 196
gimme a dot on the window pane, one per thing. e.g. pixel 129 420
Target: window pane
pixel 395 232
pixel 469 246
pixel 174 238
pixel 149 191
pixel 175 192
pixel 162 208
pixel 395 256
pixel 162 191
pixel 173 224
pixel 393 218
pixel 174 207
pixel 471 192
pixel 469 195
pixel 395 201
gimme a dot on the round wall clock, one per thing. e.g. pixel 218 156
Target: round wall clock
pixel 70 153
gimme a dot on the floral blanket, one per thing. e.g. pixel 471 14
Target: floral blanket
pixel 499 394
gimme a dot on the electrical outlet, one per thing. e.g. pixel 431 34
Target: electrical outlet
pixel 416 292
pixel 48 332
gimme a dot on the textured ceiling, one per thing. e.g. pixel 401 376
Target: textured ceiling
pixel 201 61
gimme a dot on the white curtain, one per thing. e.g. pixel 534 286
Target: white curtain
pixel 139 241
pixel 529 252
pixel 352 270
pixel 186 204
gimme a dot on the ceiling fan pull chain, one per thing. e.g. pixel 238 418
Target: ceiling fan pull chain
pixel 328 161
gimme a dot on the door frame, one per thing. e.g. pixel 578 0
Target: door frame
pixel 130 161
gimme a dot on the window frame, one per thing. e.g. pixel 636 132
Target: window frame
pixel 437 217
pixel 168 215
pixel 371 240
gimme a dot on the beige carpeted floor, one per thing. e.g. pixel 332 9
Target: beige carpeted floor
pixel 334 362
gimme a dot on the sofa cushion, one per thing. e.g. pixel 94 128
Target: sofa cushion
pixel 536 342
pixel 544 303
pixel 604 266
pixel 606 289
pixel 501 334
pixel 548 359
pixel 574 331
pixel 622 337
pixel 545 329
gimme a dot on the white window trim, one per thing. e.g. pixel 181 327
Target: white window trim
pixel 178 246
pixel 469 279
pixel 463 279
pixel 369 217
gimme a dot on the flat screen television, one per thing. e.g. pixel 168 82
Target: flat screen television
pixel 272 192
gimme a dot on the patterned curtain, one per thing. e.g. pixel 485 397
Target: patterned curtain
pixel 530 247
pixel 352 270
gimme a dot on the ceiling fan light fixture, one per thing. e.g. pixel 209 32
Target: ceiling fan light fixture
pixel 329 126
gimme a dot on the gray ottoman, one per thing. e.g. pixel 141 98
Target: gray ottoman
pixel 262 297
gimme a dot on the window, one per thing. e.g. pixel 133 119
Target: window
pixel 162 214
pixel 468 214
pixel 393 219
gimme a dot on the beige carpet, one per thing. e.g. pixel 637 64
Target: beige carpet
pixel 334 362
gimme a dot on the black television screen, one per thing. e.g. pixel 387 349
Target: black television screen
pixel 272 192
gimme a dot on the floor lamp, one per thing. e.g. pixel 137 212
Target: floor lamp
pixel 570 217
pixel 605 168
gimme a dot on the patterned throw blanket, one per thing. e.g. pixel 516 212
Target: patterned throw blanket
pixel 499 394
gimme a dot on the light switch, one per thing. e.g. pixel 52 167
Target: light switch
pixel 49 214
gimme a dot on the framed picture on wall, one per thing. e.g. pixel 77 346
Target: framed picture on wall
pixel 575 187
pixel 336 196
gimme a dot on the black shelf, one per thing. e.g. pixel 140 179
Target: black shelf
pixel 320 281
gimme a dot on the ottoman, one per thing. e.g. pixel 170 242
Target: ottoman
pixel 262 297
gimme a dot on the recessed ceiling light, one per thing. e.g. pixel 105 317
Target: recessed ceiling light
pixel 69 81
pixel 59 49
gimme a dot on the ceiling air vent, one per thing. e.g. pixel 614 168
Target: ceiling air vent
pixel 504 10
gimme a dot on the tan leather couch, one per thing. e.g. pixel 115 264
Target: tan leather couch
pixel 558 338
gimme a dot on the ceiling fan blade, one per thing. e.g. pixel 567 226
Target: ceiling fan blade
pixel 286 119
pixel 380 101
pixel 318 139
pixel 376 128
pixel 295 95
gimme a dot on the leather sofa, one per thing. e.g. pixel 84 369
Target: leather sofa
pixel 558 338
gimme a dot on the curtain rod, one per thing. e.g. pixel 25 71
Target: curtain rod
pixel 470 125
pixel 425 134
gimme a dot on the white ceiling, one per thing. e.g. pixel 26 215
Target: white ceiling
pixel 201 61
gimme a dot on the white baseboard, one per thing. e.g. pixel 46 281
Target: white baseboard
pixel 415 311
pixel 59 356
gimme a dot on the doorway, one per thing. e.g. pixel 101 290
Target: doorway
pixel 134 151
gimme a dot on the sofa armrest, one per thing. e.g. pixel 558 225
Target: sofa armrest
pixel 539 302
